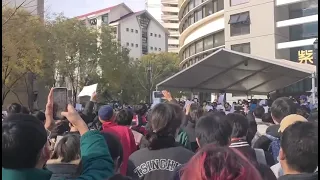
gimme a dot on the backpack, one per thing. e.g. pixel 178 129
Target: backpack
pixel 261 157
pixel 274 147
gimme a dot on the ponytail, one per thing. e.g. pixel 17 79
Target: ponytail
pixel 160 141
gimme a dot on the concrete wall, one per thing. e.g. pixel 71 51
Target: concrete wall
pixel 159 42
pixel 131 37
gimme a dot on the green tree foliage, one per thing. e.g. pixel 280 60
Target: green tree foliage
pixel 162 65
pixel 71 53
pixel 21 53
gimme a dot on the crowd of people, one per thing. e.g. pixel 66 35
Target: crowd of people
pixel 256 140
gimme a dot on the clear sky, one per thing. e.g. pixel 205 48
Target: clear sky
pixel 72 8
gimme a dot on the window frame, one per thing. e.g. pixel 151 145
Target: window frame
pixel 241 46
pixel 238 3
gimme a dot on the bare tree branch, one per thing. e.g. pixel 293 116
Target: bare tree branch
pixel 13 13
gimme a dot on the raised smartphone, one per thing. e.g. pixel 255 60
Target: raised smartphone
pixel 60 102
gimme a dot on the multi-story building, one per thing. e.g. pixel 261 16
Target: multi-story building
pixel 275 29
pixel 138 31
pixel 170 21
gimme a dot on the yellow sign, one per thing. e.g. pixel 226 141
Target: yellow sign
pixel 305 56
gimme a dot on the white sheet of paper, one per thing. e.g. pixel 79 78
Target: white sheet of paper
pixel 88 90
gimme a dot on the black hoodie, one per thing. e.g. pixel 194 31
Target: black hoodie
pixel 157 164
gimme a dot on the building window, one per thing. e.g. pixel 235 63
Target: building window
pixel 159 35
pixel 192 50
pixel 237 2
pixel 208 42
pixel 191 4
pixel 151 48
pixel 218 39
pixel 137 31
pixel 132 30
pixel 244 48
pixel 136 45
pixel 159 49
pixel 155 35
pixel 136 59
pixel 127 29
pixel 155 48
pixel 239 24
pixel 104 19
pixel 127 44
pixel 131 44
pixel 199 46
pixel 151 34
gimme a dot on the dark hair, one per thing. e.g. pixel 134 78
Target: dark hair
pixel 114 146
pixel 140 109
pixel 124 117
pixel 239 124
pixel 23 137
pixel 25 110
pixel 213 128
pixel 213 162
pixel 258 112
pixel 59 129
pixel 303 111
pixel 14 108
pixel 195 113
pixel 299 143
pixel 40 115
pixel 165 119
pixel 267 118
pixel 253 127
pixel 68 148
pixel 282 107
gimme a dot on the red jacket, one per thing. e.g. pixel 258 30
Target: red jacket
pixel 126 139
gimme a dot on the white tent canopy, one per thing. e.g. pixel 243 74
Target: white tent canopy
pixel 234 72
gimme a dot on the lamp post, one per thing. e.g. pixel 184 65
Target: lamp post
pixel 315 75
pixel 149 82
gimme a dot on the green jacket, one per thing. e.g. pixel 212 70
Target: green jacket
pixel 96 160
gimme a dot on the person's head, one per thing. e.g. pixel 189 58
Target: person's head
pixel 239 124
pixel 267 118
pixel 24 142
pixel 140 109
pixel 299 148
pixel 195 112
pixel 213 128
pixel 165 119
pixel 106 114
pixel 303 111
pixel 281 108
pixel 124 117
pixel 303 99
pixel 14 108
pixel 214 162
pixel 67 149
pixel 258 112
pixel 40 115
pixel 60 128
pixel 115 149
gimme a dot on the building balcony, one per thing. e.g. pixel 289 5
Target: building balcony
pixel 169 9
pixel 169 1
pixel 169 17
pixel 170 25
